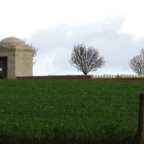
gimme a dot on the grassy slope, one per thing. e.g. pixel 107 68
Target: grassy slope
pixel 38 108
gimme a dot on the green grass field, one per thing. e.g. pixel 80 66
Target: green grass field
pixel 59 111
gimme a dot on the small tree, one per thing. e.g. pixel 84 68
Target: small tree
pixel 34 52
pixel 137 63
pixel 86 60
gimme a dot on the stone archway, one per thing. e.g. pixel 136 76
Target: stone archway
pixel 3 67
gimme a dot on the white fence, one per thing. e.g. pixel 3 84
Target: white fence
pixel 117 76
pixel 109 76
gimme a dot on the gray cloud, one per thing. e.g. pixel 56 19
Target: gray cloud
pixel 56 44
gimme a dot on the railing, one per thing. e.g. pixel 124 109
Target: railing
pixel 117 76
pixel 109 76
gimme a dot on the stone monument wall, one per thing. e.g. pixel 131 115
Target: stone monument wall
pixel 24 61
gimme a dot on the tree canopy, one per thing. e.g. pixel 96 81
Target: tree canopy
pixel 86 60
pixel 137 63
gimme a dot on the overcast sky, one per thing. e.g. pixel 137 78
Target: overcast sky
pixel 114 27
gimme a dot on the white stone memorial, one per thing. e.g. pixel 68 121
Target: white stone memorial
pixel 16 58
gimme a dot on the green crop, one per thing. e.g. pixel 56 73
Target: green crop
pixel 86 109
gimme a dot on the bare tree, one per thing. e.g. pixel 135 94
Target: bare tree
pixel 34 52
pixel 86 60
pixel 137 63
pixel 34 48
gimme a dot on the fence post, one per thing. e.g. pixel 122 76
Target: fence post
pixel 141 119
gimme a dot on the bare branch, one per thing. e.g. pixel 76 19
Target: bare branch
pixel 86 60
pixel 34 48
pixel 137 63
